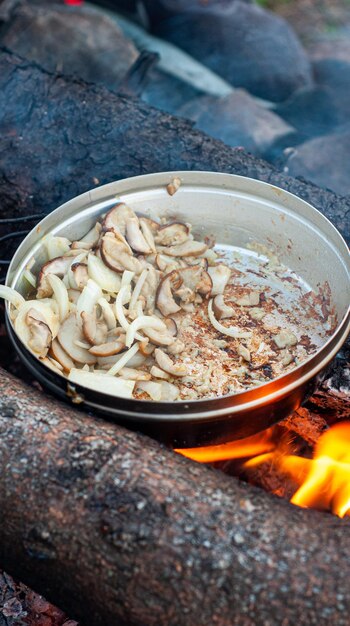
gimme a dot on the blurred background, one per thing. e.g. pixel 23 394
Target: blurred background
pixel 270 76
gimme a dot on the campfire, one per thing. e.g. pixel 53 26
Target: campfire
pixel 322 482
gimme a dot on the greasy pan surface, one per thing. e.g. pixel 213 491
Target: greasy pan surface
pixel 248 219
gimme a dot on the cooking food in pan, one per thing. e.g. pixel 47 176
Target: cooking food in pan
pixel 140 308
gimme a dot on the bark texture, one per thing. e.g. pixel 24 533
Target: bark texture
pixel 118 530
pixel 61 136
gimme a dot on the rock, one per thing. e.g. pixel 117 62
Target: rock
pixel 324 161
pixel 167 92
pixel 335 75
pixel 246 45
pixel 73 40
pixel 238 120
pixel 312 112
pixel 162 9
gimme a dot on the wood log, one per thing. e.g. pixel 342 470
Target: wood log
pixel 61 136
pixel 118 530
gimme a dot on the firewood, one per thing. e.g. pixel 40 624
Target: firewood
pixel 116 529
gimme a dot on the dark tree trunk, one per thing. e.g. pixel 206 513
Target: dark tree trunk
pixel 118 530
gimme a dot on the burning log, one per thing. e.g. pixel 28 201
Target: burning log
pixel 119 530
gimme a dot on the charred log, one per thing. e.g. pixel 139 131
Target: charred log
pixel 61 136
pixel 119 530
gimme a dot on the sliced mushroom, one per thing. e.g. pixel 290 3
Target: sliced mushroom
pixel 94 330
pixel 158 338
pixel 177 347
pixel 116 218
pixel 58 266
pixel 221 310
pixel 149 288
pixel 152 224
pixel 172 234
pixel 173 186
pixel 80 273
pixel 107 349
pixel 220 275
pixel 257 314
pixel 252 298
pixel 147 232
pixel 40 333
pixel 183 283
pixel 146 348
pixel 188 248
pixel 74 295
pixel 81 245
pixel 165 301
pixel 165 363
pixel 117 257
pixel 93 235
pixel 56 246
pixel 129 373
pixel 156 372
pixel 171 326
pixel 243 352
pixel 61 356
pixel 67 335
pixel 135 237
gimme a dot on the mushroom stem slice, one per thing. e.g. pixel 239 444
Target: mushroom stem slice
pixel 107 349
pixel 172 234
pixel 220 275
pixel 188 248
pixel 117 217
pixel 41 336
pixel 165 301
pixel 61 356
pixel 220 309
pixel 135 237
pixel 166 364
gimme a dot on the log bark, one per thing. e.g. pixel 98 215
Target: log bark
pixel 61 136
pixel 117 529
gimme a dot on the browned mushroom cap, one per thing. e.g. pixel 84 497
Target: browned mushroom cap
pixel 107 349
pixel 116 255
pixel 135 237
pixel 166 364
pixel 95 331
pixel 172 234
pixel 221 310
pixel 40 333
pixel 80 273
pixel 116 218
pixel 68 334
pixel 188 248
pixel 61 356
pixel 58 266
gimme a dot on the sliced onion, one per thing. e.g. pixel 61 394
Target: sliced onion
pixel 11 295
pixel 232 331
pixel 127 277
pixel 79 258
pixel 56 246
pixel 170 392
pixel 102 383
pixel 137 290
pixel 61 295
pixel 106 362
pixel 103 275
pixel 30 278
pixel 123 297
pixel 144 321
pixel 154 390
pixel 108 314
pixel 89 297
pixel 123 360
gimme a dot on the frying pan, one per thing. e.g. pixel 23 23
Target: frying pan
pixel 240 213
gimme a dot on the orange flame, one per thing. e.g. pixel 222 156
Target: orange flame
pixel 323 482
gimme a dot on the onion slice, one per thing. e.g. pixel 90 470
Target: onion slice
pixel 11 295
pixel 123 360
pixel 61 295
pixel 232 331
pixel 144 321
pixel 106 278
pixel 89 297
pixel 102 383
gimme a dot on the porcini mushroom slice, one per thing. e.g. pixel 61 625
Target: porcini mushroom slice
pixel 56 246
pixel 67 335
pixel 165 301
pixel 188 248
pixel 146 348
pixel 250 299
pixel 148 232
pixel 45 311
pixel 95 331
pixel 107 349
pixel 220 275
pixel 40 333
pixel 285 338
pixel 165 363
pixel 171 326
pixel 58 266
pixel 172 234
pixel 156 372
pixel 80 273
pixel 135 237
pixel 129 373
pixel 117 217
pixel 220 309
pixel 158 338
pixel 117 257
pixel 93 235
pixel 61 356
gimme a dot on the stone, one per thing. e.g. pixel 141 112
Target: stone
pixel 324 161
pixel 238 120
pixel 168 92
pixel 76 41
pixel 331 48
pixel 246 45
